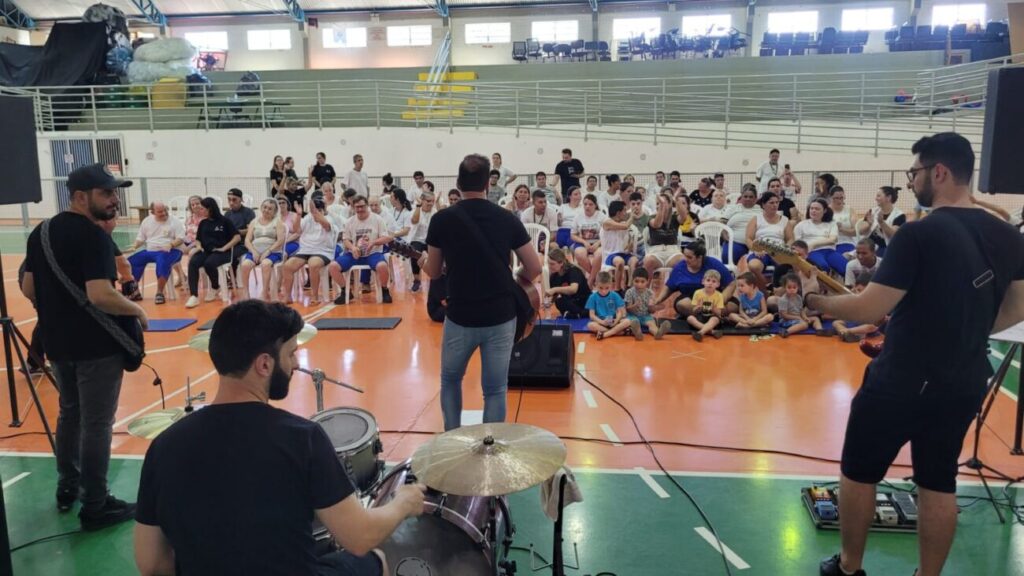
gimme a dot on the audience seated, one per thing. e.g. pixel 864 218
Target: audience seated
pixel 163 238
pixel 769 226
pixel 586 238
pixel 264 242
pixel 844 219
pixel 317 241
pixel 615 242
pixel 738 217
pixel 215 239
pixel 707 307
pixel 569 289
pixel 364 237
pixel 881 222
pixel 639 307
pixel 865 261
pixel 819 232
pixel 607 309
pixel 687 277
pixel 663 235
pixel 851 331
pixel 567 214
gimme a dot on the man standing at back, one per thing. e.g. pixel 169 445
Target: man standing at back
pixel 356 178
pixel 569 171
pixel 88 363
pixel 481 309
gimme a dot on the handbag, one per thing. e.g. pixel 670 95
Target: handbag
pixel 527 301
pixel 125 330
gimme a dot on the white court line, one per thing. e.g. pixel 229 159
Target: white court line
pixel 581 347
pixel 1000 356
pixel 646 477
pixel 26 321
pixel 17 478
pixel 588 397
pixel 695 355
pixel 168 349
pixel 181 390
pixel 581 368
pixel 611 434
pixel 731 556
pixel 323 310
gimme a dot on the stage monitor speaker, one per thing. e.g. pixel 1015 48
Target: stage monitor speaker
pixel 18 150
pixel 1002 163
pixel 544 359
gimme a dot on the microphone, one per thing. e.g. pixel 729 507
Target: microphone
pixel 318 375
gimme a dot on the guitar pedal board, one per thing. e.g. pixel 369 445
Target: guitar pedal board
pixel 894 511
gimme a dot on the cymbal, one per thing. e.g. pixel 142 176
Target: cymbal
pixel 151 425
pixel 488 459
pixel 201 341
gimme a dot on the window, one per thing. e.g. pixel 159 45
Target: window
pixel 625 28
pixel 344 37
pixel 208 40
pixel 867 19
pixel 788 22
pixel 410 36
pixel 707 25
pixel 560 31
pixel 950 14
pixel 269 39
pixel 489 33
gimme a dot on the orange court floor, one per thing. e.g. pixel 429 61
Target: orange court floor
pixel 736 402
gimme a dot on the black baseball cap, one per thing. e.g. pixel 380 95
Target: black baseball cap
pixel 95 176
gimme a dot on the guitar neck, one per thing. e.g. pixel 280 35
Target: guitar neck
pixel 833 284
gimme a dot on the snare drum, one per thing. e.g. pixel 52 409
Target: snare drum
pixel 451 537
pixel 356 440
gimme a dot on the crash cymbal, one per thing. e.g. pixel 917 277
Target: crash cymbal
pixel 488 459
pixel 151 425
pixel 201 341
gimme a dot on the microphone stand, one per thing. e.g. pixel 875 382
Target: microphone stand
pixel 319 378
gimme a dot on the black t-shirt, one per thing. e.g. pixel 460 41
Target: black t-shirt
pixel 697 200
pixel 572 275
pixel 955 266
pixel 786 207
pixel 234 488
pixel 477 298
pixel 323 174
pixel 878 238
pixel 276 175
pixel 569 173
pixel 666 235
pixel 240 218
pixel 215 233
pixel 84 252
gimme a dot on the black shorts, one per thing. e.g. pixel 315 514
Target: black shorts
pixel 306 257
pixel 342 563
pixel 881 423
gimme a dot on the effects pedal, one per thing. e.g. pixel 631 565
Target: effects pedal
pixel 823 505
pixel 906 505
pixel 885 510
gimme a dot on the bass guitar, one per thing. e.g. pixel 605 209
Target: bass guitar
pixel 527 296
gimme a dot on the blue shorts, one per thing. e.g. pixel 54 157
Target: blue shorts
pixel 624 255
pixel 766 259
pixel 274 257
pixel 290 248
pixel 641 319
pixel 563 237
pixel 575 245
pixel 788 323
pixel 347 261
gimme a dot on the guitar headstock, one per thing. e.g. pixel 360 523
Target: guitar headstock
pixel 405 250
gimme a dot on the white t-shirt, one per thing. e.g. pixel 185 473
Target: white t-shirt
pixel 738 218
pixel 844 219
pixel 400 220
pixel 314 240
pixel 358 181
pixel 614 241
pixel 548 220
pixel 876 212
pixel 589 227
pixel 810 232
pixel 361 232
pixel 709 213
pixel 604 199
pixel 157 235
pixel 766 172
pixel 339 214
pixel 505 175
pixel 419 230
pixel 569 214
pixel 767 230
pixel 855 268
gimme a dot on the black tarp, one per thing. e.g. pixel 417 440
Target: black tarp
pixel 73 55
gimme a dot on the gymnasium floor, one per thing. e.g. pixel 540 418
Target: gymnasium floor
pixel 789 395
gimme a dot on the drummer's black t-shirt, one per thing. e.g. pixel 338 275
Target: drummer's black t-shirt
pixel 234 488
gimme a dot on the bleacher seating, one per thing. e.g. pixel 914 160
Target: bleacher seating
pixel 992 41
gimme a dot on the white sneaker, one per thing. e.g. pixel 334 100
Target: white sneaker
pixel 210 296
pixel 192 302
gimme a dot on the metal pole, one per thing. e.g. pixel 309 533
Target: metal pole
pixel 206 109
pixel 728 108
pixel 537 104
pixel 860 116
pixel 451 113
pixel 794 94
pixel 144 189
pixel 664 101
pixel 954 117
pixel 24 215
pixel 799 124
pixel 600 103
pixel 95 120
pixel 319 108
pixel 517 113
pixel 931 101
pixel 655 124
pixel 586 119
pixel 263 108
pixel 149 100
pixel 878 122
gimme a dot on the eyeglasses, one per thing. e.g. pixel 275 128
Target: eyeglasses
pixel 912 173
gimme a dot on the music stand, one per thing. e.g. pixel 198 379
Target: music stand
pixel 1015 334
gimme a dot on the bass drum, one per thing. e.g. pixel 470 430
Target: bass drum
pixel 452 536
pixel 356 440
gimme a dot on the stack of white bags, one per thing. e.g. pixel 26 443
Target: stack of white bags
pixel 162 58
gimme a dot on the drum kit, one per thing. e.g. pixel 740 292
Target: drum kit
pixel 466 528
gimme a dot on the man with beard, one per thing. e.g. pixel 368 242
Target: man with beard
pixel 950 281
pixel 234 487
pixel 88 362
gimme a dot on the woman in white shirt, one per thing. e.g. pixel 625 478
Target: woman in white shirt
pixel 738 216
pixel 882 221
pixel 715 212
pixel 819 232
pixel 520 201
pixel 420 222
pixel 844 218
pixel 586 238
pixel 568 212
pixel 265 241
pixel 771 225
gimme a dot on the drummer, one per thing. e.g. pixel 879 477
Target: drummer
pixel 234 487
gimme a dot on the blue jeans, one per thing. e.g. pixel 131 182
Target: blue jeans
pixel 89 390
pixel 164 262
pixel 457 346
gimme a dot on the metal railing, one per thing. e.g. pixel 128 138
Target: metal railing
pixel 854 111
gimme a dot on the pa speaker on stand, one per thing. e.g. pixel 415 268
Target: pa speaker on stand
pixel 1002 163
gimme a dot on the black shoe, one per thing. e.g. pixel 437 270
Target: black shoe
pixel 698 336
pixel 66 499
pixel 385 296
pixel 114 511
pixel 32 370
pixel 415 285
pixel 830 567
pixel 340 300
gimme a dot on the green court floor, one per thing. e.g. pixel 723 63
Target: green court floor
pixel 623 527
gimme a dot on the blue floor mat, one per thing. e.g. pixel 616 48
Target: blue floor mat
pixel 169 325
pixel 681 327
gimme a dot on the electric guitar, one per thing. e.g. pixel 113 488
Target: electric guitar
pixel 785 255
pixel 527 296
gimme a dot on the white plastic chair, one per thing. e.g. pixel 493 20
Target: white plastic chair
pixel 256 279
pixel 351 278
pixel 300 279
pixel 177 206
pixel 223 274
pixel 712 232
pixel 540 236
pixel 732 197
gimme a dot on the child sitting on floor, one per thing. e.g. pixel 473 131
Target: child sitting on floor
pixel 851 331
pixel 753 311
pixel 792 314
pixel 638 307
pixel 607 309
pixel 707 307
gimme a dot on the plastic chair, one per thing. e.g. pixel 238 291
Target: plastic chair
pixel 300 279
pixel 541 239
pixel 519 51
pixel 712 233
pixel 352 281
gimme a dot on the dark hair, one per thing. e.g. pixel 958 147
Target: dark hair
pixel 674 173
pixel 614 207
pixel 520 187
pixel 800 244
pixel 541 173
pixel 498 154
pixel 429 184
pixel 538 193
pixel 659 172
pixel 399 195
pixel 779 180
pixel 707 182
pixel 235 192
pixel 474 172
pixel 494 172
pixel 590 197
pixel 360 198
pixel 388 179
pixel 636 196
pixel 573 189
pixel 774 151
pixel 641 272
pixel 356 157
pixel 893 192
pixel 591 176
pixel 566 151
pixel 212 208
pixel 418 173
pixel 949 149
pixel 717 174
pixel 698 248
pixel 837 188
pixel 747 277
pixel 244 331
pixel 827 216
pixel 612 178
pixel 791 277
pixel 765 197
pixel 829 181
pixel 322 154
pixel 867 243
pixel 863 279
pixel 455 191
